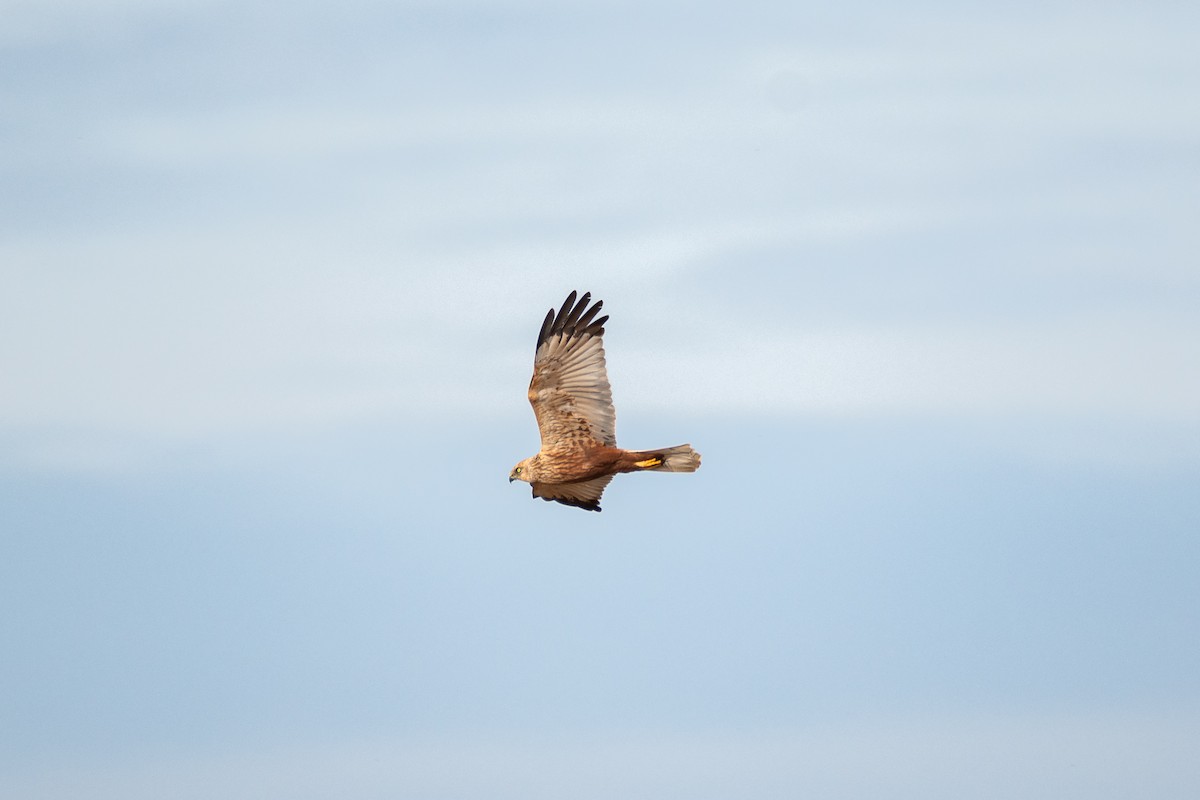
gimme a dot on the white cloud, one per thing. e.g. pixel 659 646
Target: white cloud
pixel 1120 365
pixel 249 331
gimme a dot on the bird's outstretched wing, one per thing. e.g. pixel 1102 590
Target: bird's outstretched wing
pixel 583 494
pixel 569 392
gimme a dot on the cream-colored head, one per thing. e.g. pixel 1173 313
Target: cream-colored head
pixel 524 471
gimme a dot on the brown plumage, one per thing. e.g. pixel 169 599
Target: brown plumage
pixel 572 401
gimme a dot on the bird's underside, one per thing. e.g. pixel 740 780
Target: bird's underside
pixel 572 401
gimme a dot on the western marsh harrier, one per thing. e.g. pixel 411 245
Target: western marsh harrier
pixel 573 404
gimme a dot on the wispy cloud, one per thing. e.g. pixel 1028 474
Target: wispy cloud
pixel 1116 365
pixel 277 253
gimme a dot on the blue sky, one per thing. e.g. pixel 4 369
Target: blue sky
pixel 918 282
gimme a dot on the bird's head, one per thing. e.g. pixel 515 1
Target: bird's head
pixel 524 471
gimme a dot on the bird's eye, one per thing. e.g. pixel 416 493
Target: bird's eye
pixel 518 470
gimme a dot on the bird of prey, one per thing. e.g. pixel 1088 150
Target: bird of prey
pixel 572 401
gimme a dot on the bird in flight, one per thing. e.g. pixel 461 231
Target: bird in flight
pixel 572 401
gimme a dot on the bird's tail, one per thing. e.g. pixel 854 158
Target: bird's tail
pixel 681 458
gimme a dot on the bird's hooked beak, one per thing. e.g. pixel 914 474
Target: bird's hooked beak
pixel 511 479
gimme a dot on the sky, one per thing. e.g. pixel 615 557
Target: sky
pixel 918 282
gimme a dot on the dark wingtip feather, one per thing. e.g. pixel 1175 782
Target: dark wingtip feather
pixel 546 323
pixel 573 318
pixel 585 322
pixel 568 324
pixel 566 306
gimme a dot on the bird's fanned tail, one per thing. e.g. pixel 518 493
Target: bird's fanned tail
pixel 681 458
